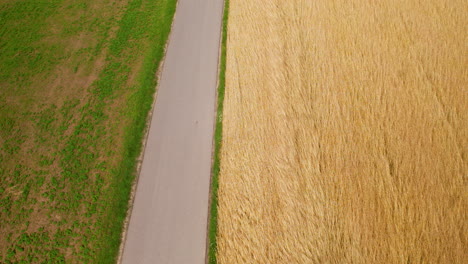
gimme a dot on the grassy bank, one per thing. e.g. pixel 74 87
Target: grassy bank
pixel 213 224
pixel 77 82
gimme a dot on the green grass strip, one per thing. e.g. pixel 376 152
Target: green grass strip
pixel 144 21
pixel 158 32
pixel 213 224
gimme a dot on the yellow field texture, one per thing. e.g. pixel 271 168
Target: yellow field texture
pixel 345 132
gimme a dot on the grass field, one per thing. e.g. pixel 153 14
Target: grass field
pixel 77 79
pixel 345 133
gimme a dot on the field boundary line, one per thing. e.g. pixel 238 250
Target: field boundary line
pixel 212 224
pixel 139 161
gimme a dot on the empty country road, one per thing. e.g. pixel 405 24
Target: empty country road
pixel 168 223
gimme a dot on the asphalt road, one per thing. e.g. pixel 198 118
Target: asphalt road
pixel 168 223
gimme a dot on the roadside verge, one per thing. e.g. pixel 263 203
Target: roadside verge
pixel 213 213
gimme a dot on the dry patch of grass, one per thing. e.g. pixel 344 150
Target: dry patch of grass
pixel 344 133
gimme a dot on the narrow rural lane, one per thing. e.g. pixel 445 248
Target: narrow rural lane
pixel 169 218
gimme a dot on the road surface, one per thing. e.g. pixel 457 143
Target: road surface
pixel 168 223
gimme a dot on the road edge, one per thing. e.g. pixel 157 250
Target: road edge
pixel 212 225
pixel 139 161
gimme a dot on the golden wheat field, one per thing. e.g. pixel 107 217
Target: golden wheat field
pixel 345 132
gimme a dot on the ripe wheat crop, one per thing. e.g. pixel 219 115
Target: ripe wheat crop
pixel 345 128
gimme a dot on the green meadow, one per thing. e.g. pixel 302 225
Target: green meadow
pixel 77 79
